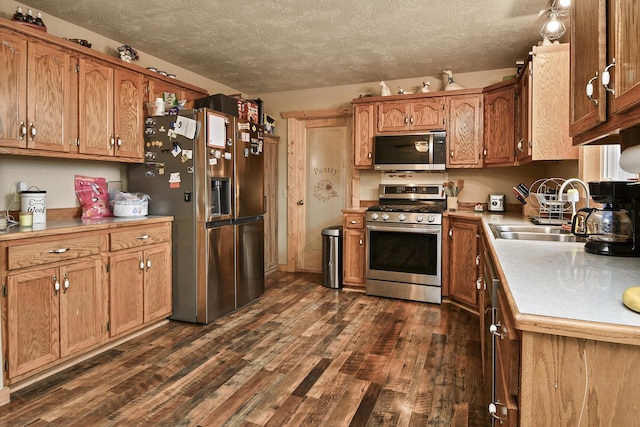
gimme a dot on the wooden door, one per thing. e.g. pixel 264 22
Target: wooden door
pixel 96 108
pixel 50 98
pixel 427 114
pixel 588 60
pixel 364 133
pixel 157 283
pixel 624 33
pixel 80 306
pixel 499 126
pixel 128 114
pixel 13 90
pixel 393 116
pixel 463 261
pixel 32 320
pixel 464 131
pixel 126 280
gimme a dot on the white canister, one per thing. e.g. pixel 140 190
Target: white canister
pixel 35 201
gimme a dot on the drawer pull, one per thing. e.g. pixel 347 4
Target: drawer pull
pixel 494 330
pixel 148 263
pixel 59 251
pixel 65 284
pixel 353 221
pixel 56 285
pixel 141 263
pixel 143 237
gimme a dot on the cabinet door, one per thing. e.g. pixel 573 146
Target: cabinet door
pixel 499 126
pixel 158 87
pixel 427 114
pixel 464 131
pixel 157 283
pixel 463 261
pixel 364 133
pixel 190 96
pixel 32 320
pixel 128 114
pixel 80 306
pixel 50 98
pixel 126 280
pixel 523 110
pixel 13 90
pixel 588 60
pixel 624 33
pixel 353 256
pixel 393 116
pixel 96 111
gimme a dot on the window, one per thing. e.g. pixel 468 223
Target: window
pixel 610 164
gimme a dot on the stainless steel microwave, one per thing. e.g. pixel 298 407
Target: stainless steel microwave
pixel 423 152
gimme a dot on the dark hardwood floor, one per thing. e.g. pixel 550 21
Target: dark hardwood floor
pixel 302 355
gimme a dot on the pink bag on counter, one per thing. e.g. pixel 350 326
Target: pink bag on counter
pixel 93 196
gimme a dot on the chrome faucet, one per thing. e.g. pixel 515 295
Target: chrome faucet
pixel 576 180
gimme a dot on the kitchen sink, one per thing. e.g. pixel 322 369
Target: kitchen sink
pixel 534 232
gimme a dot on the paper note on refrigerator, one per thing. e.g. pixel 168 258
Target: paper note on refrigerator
pixel 217 131
pixel 186 127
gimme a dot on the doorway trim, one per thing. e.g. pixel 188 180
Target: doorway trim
pixel 297 124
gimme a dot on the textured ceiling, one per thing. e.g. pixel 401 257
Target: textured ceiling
pixel 279 45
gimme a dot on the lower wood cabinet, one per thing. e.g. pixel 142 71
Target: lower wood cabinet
pixel 71 293
pixel 53 312
pixel 354 250
pixel 464 260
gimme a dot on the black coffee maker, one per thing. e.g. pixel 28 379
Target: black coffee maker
pixel 613 229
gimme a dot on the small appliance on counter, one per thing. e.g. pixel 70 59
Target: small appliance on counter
pixel 496 203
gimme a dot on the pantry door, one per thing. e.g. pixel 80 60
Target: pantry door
pixel 319 172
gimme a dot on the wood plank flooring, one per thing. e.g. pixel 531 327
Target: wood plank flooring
pixel 301 355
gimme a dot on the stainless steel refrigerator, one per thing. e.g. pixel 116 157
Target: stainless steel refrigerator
pixel 190 173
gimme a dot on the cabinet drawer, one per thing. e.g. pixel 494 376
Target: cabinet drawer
pixel 44 252
pixel 353 221
pixel 508 346
pixel 142 236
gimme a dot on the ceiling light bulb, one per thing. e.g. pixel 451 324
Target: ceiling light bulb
pixel 553 25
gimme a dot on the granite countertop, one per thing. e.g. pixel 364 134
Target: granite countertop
pixel 558 283
pixel 72 225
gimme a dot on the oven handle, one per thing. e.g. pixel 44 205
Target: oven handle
pixel 420 229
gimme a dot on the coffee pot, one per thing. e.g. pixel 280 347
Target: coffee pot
pixel 606 225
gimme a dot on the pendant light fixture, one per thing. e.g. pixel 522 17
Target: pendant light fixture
pixel 554 28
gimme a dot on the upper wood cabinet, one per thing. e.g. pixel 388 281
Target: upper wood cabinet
pixel 418 114
pixel 464 131
pixel 157 87
pixel 499 124
pixel 523 110
pixel 37 88
pixel 604 42
pixel 112 126
pixel 364 132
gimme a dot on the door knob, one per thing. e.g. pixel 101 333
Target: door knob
pixel 300 202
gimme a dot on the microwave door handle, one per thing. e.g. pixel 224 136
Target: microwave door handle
pixel 431 149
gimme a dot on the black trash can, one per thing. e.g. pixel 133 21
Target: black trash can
pixel 332 257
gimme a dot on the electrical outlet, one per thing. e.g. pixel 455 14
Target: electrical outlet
pixel 20 186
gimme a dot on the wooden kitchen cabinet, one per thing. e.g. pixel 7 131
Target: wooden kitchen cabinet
pixel 156 87
pixel 37 84
pixel 354 250
pixel 464 260
pixel 139 277
pixel 54 301
pixel 417 114
pixel 523 111
pixel 113 126
pixel 603 39
pixel 464 130
pixel 499 124
pixel 271 199
pixel 364 133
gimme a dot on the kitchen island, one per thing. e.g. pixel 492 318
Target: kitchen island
pixel 578 346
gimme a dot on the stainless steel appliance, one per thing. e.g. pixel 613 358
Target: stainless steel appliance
pixel 614 229
pixel 205 168
pixel 404 243
pixel 423 152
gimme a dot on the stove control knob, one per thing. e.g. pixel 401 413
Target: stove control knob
pixel 419 218
pixel 402 217
pixel 431 218
pixel 374 216
pixel 385 217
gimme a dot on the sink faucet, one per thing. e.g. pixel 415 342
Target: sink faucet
pixel 576 180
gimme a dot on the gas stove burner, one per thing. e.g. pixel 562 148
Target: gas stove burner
pixel 408 208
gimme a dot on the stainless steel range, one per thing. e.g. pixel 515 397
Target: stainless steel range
pixel 404 243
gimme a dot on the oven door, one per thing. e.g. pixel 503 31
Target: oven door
pixel 407 253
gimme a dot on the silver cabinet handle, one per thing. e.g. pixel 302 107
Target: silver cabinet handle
pixel 606 77
pixel 112 140
pixel 32 131
pixel 143 237
pixel 58 251
pixel 23 130
pixel 56 285
pixel 493 410
pixel 148 263
pixel 141 263
pixel 589 89
pixel 493 329
pixel 65 284
pixel 118 142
